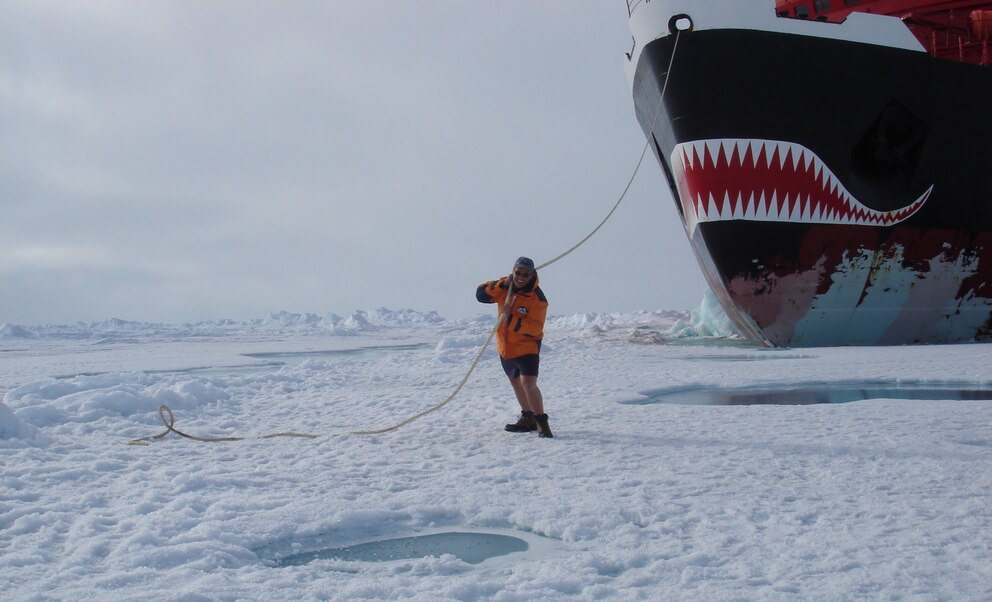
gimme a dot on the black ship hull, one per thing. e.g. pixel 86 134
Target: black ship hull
pixel 834 192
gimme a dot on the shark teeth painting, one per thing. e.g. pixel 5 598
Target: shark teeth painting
pixel 769 180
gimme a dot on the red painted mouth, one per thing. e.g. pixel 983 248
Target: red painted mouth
pixel 768 180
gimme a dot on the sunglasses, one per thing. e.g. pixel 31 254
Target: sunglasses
pixel 522 273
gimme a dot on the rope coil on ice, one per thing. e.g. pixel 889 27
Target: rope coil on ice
pixel 169 421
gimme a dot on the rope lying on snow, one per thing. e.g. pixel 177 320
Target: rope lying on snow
pixel 170 421
pixel 170 428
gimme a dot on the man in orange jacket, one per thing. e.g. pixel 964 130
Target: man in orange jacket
pixel 522 308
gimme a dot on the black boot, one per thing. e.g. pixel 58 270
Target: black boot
pixel 543 430
pixel 525 424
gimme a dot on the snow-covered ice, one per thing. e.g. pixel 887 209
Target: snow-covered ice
pixel 885 499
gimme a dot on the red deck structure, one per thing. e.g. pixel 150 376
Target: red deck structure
pixel 958 30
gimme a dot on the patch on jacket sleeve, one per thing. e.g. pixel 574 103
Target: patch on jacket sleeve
pixel 522 310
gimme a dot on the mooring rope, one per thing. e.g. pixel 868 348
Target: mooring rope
pixel 170 422
pixel 644 151
pixel 168 418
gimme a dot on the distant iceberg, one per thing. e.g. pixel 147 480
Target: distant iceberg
pixel 13 331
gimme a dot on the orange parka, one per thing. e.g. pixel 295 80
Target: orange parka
pixel 523 333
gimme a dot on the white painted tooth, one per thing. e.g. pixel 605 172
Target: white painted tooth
pixel 783 209
pixel 797 211
pixel 774 208
pixel 752 209
pixel 761 212
pixel 782 148
pixel 785 152
pixel 767 150
pixel 681 152
pixel 842 193
pixel 810 158
pixel 702 211
pixel 727 211
pixel 713 211
pixel 692 152
pixel 740 149
pixel 713 148
pixel 831 215
pixel 755 147
pixel 700 148
pixel 851 201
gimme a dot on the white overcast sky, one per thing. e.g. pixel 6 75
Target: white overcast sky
pixel 194 160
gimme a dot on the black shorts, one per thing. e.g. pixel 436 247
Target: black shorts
pixel 525 365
